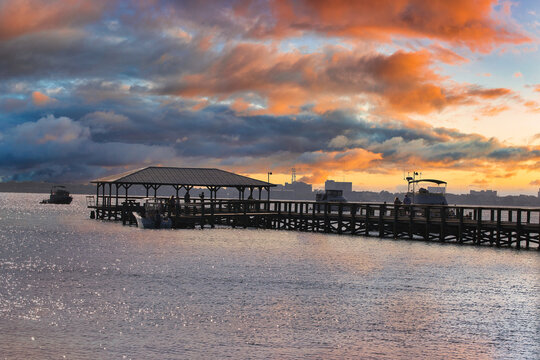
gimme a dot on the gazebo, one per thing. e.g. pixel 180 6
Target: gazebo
pixel 154 177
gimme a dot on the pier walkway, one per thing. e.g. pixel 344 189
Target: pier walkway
pixel 477 225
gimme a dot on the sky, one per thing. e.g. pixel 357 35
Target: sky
pixel 349 90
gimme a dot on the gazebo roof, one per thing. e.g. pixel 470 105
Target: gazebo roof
pixel 154 175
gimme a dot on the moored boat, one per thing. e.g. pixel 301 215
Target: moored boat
pixel 59 195
pixel 419 195
pixel 152 216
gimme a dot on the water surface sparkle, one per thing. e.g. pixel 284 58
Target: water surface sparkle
pixel 80 288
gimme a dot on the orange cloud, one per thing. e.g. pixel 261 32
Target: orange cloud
pixel 493 110
pixel 462 22
pixel 489 93
pixel 322 81
pixel 535 182
pixel 25 16
pixel 321 164
pixel 518 74
pixel 41 99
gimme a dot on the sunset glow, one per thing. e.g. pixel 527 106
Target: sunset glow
pixel 358 91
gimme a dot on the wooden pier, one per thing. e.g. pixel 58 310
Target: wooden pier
pixel 508 227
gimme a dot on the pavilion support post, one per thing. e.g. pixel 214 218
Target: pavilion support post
pixel 147 187
pixel 260 191
pixel 155 187
pixel 97 197
pixel 109 199
pixel 177 188
pixel 116 202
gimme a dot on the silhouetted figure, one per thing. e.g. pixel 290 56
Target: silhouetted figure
pixel 397 201
pixel 187 198
pixel 171 205
pixel 407 200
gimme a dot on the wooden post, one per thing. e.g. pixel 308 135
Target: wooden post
pixel 411 221
pixel 395 221
pixel 478 234
pixel 313 228
pixel 518 229
pixel 460 225
pixel 340 218
pixel 326 218
pixel 116 202
pixel 97 201
pixel 353 219
pixel 382 211
pixel 202 213
pixel 442 235
pixel 499 228
pixel 428 222
pixel 367 219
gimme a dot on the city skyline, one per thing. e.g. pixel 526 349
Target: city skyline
pixel 354 91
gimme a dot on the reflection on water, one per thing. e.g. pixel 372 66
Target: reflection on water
pixel 80 288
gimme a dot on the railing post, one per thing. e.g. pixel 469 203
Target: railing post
pixel 326 218
pixel 367 219
pixel 411 221
pixel 478 234
pixel 340 218
pixel 353 219
pixel 395 222
pixel 442 235
pixel 518 229
pixel 499 228
pixel 382 211
pixel 428 222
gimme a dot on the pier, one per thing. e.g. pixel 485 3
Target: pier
pixel 509 227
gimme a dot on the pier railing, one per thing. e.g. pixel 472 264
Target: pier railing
pixel 517 227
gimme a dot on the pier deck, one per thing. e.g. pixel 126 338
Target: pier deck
pixel 477 225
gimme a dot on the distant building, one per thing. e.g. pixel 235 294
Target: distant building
pixel 338 185
pixel 484 193
pixel 296 190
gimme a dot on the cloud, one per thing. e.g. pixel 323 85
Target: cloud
pixel 40 99
pixel 21 17
pixel 316 144
pixel 405 81
pixel 518 74
pixel 462 22
pixel 535 182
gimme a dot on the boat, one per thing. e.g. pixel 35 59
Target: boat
pixel 423 196
pixel 330 196
pixel 59 195
pixel 430 196
pixel 152 215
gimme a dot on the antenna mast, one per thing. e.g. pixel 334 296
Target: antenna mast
pixel 293 175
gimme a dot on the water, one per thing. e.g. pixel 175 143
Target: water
pixel 76 288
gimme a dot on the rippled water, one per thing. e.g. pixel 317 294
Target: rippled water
pixel 84 289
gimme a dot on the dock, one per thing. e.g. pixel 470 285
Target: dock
pixel 504 227
pixel 493 226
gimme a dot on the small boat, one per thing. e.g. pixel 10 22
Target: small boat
pixel 152 216
pixel 330 196
pixel 59 195
pixel 431 196
pixel 423 196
